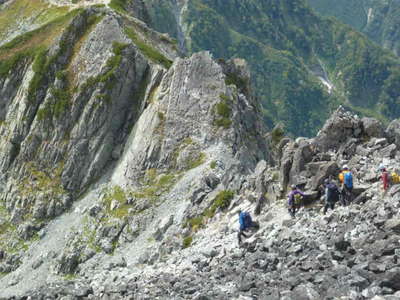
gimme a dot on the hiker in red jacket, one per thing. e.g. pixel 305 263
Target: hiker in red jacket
pixel 384 177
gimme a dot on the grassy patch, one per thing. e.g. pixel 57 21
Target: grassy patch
pixel 196 161
pixel 40 38
pixel 89 235
pixel 187 241
pixel 224 97
pixel 154 185
pixel 221 201
pixel 34 44
pixel 193 161
pixel 70 277
pixel 118 194
pixel 19 11
pixel 118 5
pixel 149 51
pixel 223 112
pixel 57 106
pixel 9 64
pixel 45 180
pixel 213 164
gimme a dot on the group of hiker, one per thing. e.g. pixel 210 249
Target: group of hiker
pixel 342 193
pixel 332 193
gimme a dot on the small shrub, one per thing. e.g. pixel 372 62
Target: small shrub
pixel 223 109
pixel 152 53
pixel 166 179
pixel 213 164
pixel 161 115
pixel 187 241
pixel 221 201
pixel 195 222
pixel 223 112
pixel 276 135
pixel 239 82
pixel 118 5
pixel 224 97
pixel 195 162
pixel 225 123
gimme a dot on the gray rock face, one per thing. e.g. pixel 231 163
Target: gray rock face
pixel 162 140
pixel 372 127
pixel 393 132
pixel 340 127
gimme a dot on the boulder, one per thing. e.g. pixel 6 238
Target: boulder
pixel 372 127
pixel 388 151
pixel 325 170
pixel 302 155
pixel 305 292
pixel 341 126
pixel 393 225
pixel 392 279
pixel 393 132
pixel 286 165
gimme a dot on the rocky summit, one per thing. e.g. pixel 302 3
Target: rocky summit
pixel 124 164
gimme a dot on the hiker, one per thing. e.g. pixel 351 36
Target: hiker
pixel 245 222
pixel 346 179
pixel 384 177
pixel 331 195
pixel 294 200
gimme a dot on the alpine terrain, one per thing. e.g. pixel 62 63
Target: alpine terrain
pixel 379 20
pixel 303 65
pixel 126 155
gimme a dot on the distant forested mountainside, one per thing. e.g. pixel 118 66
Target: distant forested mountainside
pixel 303 65
pixel 378 19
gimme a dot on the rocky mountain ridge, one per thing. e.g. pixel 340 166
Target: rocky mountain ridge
pixel 105 137
pixel 123 166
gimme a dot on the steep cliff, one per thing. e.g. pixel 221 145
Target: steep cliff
pixel 102 137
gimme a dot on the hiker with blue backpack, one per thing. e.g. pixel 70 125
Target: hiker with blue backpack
pixel 346 179
pixel 245 222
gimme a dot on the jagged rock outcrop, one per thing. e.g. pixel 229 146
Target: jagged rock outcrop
pixel 67 110
pixel 147 140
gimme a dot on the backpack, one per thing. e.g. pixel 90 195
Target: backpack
pixel 247 219
pixel 297 199
pixel 332 193
pixel 394 178
pixel 348 180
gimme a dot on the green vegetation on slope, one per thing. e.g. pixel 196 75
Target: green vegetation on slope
pixel 27 12
pixel 379 20
pixel 287 45
pixel 32 44
pixel 150 52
